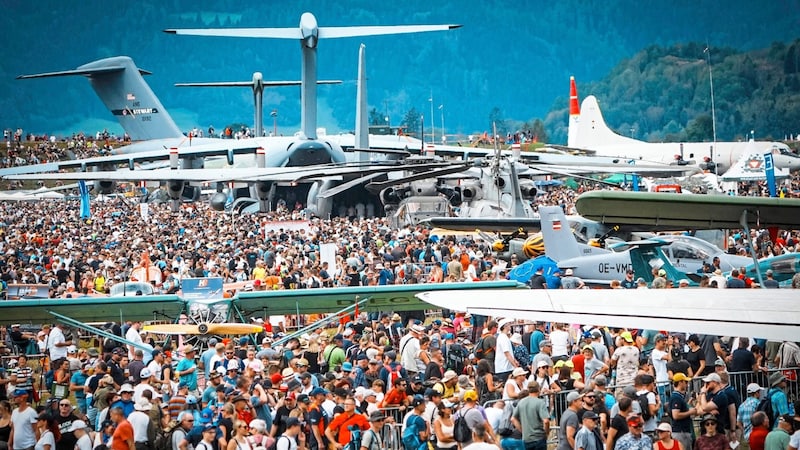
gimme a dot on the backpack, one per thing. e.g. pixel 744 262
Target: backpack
pixel 410 436
pixel 455 359
pixel 645 405
pixel 393 374
pixel 163 440
pixel 355 438
pixel 274 445
pixel 765 406
pixel 478 350
pixel 461 431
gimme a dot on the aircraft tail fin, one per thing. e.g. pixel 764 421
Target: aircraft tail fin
pixel 592 130
pixel 362 124
pixel 574 113
pixel 121 87
pixel 559 242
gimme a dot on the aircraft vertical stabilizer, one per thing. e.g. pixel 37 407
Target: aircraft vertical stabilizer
pixel 362 123
pixel 119 84
pixel 559 242
pixel 574 113
pixel 592 130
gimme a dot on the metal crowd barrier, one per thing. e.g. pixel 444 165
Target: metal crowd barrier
pixel 396 413
pixel 391 436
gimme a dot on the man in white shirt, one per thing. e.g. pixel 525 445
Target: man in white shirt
pixel 57 344
pixel 504 361
pixel 409 348
pixel 133 335
pixel 23 420
pixel 140 420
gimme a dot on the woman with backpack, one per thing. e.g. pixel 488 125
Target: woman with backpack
pixel 485 385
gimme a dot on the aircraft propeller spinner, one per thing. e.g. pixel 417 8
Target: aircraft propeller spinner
pixel 204 328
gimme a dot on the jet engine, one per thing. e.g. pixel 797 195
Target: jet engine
pixel 218 201
pixel 528 189
pixel 471 191
pixel 105 187
pixel 175 189
pixel 262 189
pixel 453 195
pixel 392 196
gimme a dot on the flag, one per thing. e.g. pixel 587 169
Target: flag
pixel 86 211
pixel 131 97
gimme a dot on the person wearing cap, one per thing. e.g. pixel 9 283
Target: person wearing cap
pixel 187 369
pixel 777 394
pixel 147 376
pixel 317 418
pixel 371 438
pixel 140 421
pixel 126 400
pixel 410 348
pixel 282 413
pixel 504 361
pixel 81 432
pixel 746 411
pixel 680 411
pixel 208 437
pixel 634 439
pixel 473 417
pixel 545 354
pixel 338 431
pixel 588 436
pixel 532 418
pixel 665 439
pixel 515 384
pixel 568 423
pixel 711 438
pixel 770 282
pixel 713 400
pixel 23 422
pixel 57 344
pixel 293 438
pixel 626 361
pixel 629 283
pixel 592 366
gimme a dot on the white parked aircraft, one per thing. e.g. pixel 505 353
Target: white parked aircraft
pixel 588 132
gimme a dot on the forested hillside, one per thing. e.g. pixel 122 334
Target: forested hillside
pixel 510 57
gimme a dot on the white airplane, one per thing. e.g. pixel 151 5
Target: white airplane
pixel 723 312
pixel 588 132
pixel 119 84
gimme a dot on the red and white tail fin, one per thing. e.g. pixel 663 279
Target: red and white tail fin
pixel 574 113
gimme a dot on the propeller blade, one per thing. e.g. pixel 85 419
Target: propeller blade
pixel 172 328
pixel 234 328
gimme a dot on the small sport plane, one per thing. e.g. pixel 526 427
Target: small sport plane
pixel 764 313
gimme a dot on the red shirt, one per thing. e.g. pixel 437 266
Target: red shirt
pixel 341 423
pixel 124 433
pixel 757 438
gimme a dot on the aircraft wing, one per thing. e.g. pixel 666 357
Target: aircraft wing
pixel 498 224
pixel 394 297
pixel 724 312
pixel 92 309
pixel 280 174
pixel 687 211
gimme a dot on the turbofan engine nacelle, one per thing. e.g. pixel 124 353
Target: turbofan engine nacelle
pixel 105 187
pixel 218 201
pixel 392 196
pixel 262 189
pixel 471 191
pixel 175 189
pixel 453 195
pixel 527 189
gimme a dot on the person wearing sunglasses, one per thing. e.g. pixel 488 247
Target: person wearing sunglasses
pixel 634 439
pixel 711 438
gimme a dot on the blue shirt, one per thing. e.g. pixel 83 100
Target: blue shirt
pixel 79 378
pixel 190 378
pixel 629 442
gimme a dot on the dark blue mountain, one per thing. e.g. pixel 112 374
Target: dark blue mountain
pixel 514 55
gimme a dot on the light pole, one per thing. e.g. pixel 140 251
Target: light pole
pixel 274 115
pixel 433 124
pixel 444 135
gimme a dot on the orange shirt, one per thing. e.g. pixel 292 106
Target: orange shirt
pixel 341 423
pixel 394 397
pixel 122 434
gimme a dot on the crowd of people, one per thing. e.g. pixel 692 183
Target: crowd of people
pixel 465 382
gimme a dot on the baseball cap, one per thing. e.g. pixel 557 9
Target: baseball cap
pixel 712 377
pixel 417 400
pixel 663 426
pixel 719 362
pixel 471 395
pixel 318 391
pixel 590 415
pixel 680 377
pixel 752 388
pixel 626 335
pixel 77 425
pixel 572 396
pixel 292 422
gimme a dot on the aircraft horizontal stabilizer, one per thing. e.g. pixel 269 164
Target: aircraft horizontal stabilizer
pixel 85 72
pixel 250 83
pixel 342 32
pixel 275 33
